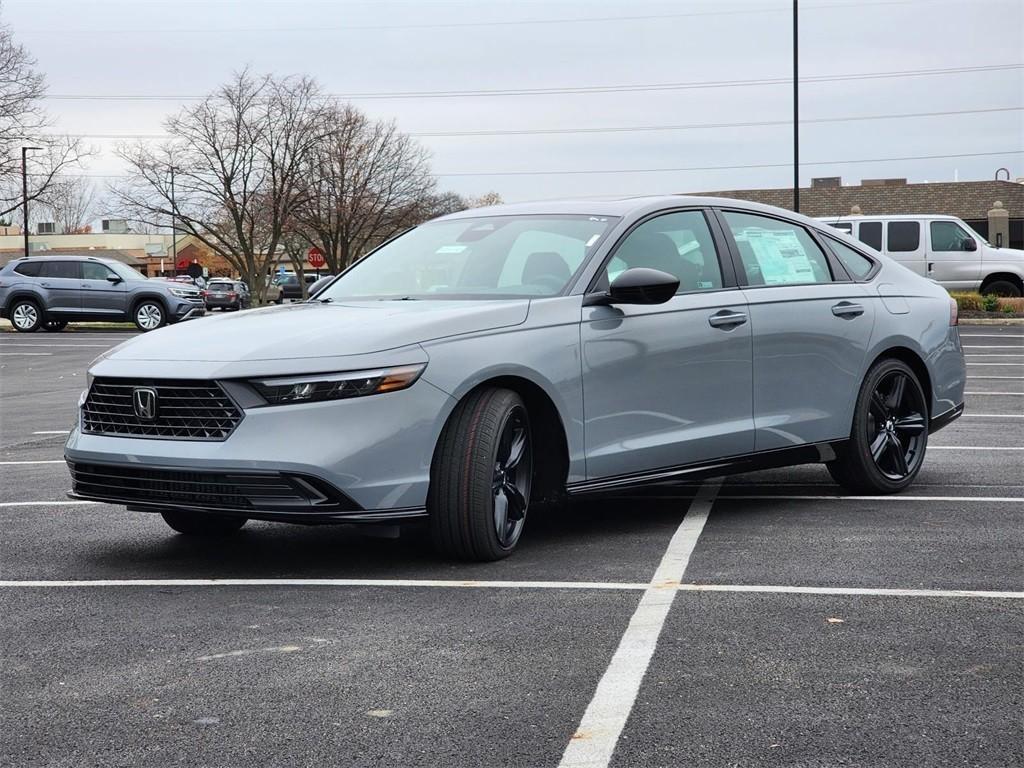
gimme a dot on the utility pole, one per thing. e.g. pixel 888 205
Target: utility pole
pixel 24 190
pixel 796 114
pixel 174 229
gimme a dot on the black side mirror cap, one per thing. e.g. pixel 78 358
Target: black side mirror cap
pixel 638 285
pixel 970 244
pixel 113 279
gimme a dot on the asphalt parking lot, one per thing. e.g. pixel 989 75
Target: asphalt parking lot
pixel 779 623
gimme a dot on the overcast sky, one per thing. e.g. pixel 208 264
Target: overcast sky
pixel 185 48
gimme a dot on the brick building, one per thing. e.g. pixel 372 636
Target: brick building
pixel 968 200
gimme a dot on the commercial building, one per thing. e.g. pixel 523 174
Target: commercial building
pixel 971 201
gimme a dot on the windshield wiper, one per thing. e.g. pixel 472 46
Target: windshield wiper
pixel 402 298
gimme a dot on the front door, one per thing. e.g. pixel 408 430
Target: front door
pixel 669 384
pixel 101 296
pixel 951 263
pixel 811 328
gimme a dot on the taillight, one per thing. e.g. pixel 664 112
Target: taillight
pixel 203 294
pixel 954 312
pixel 232 295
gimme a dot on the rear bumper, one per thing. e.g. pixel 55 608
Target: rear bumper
pixel 941 420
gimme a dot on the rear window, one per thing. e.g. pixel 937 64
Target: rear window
pixel 220 287
pixel 64 269
pixel 29 268
pixel 903 236
pixel 870 233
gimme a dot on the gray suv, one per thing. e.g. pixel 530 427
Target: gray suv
pixel 51 291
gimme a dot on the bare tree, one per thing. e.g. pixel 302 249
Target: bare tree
pixel 363 184
pixel 69 203
pixel 24 122
pixel 237 158
pixel 484 200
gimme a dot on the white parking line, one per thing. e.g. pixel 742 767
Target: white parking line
pixel 1010 394
pixel 47 461
pixel 26 354
pixel 973 448
pixel 970 415
pixel 53 432
pixel 766 496
pixel 620 586
pixel 991 335
pixel 598 732
pixel 973 365
pixel 67 503
pixel 992 346
pixel 995 354
pixel 975 378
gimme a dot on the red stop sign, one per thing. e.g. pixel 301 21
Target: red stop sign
pixel 315 257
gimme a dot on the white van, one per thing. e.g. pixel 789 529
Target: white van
pixel 943 248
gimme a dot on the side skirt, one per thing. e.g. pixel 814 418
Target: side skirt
pixel 813 453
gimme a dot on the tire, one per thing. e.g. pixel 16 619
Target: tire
pixel 481 477
pixel 1003 288
pixel 889 436
pixel 149 314
pixel 54 326
pixel 26 315
pixel 202 523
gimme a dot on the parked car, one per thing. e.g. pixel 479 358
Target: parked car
pixel 272 292
pixel 227 294
pixel 488 363
pixel 50 291
pixel 942 248
pixel 291 290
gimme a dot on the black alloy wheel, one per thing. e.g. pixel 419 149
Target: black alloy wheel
pixel 896 425
pixel 481 477
pixel 889 435
pixel 513 473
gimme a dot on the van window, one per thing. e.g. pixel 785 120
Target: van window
pixel 948 236
pixel 903 236
pixel 857 264
pixel 870 233
pixel 29 268
pixel 65 269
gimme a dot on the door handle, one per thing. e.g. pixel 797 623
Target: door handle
pixel 847 309
pixel 727 319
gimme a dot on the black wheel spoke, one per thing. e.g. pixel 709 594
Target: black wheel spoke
pixel 516 502
pixel 899 386
pixel 899 458
pixel 879 445
pixel 501 505
pixel 516 449
pixel 877 406
pixel 913 423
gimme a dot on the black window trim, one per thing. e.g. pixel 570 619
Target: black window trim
pixel 838 271
pixel 598 283
pixel 876 265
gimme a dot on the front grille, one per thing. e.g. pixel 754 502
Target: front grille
pixel 184 410
pixel 201 489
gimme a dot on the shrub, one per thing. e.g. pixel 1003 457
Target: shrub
pixel 989 303
pixel 1010 305
pixel 967 301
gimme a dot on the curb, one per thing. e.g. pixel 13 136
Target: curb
pixel 992 321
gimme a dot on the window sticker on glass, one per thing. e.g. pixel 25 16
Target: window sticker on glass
pixel 451 249
pixel 780 255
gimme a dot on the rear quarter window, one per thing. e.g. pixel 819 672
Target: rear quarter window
pixel 29 269
pixel 857 264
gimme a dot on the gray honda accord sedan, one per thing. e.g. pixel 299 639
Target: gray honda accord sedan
pixel 486 366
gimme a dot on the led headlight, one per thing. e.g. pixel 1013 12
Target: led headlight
pixel 182 293
pixel 337 386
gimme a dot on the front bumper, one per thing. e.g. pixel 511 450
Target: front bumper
pixel 187 310
pixel 369 455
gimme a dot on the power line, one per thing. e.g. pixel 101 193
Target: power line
pixel 654 170
pixel 583 89
pixel 463 24
pixel 624 129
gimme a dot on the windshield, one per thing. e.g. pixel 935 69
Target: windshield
pixel 487 257
pixel 124 271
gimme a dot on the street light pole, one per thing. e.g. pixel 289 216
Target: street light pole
pixel 796 114
pixel 174 229
pixel 24 190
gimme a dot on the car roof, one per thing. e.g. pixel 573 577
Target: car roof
pixel 626 206
pixel 67 257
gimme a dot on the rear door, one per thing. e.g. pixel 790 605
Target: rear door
pixel 811 327
pixel 957 268
pixel 669 384
pixel 100 295
pixel 61 282
pixel 904 242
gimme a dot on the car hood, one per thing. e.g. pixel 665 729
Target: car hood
pixel 319 330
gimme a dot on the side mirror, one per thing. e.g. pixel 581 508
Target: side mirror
pixel 639 285
pixel 970 244
pixel 113 279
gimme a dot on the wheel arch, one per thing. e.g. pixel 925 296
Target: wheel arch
pixel 137 300
pixel 24 293
pixel 1010 277
pixel 550 439
pixel 916 364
